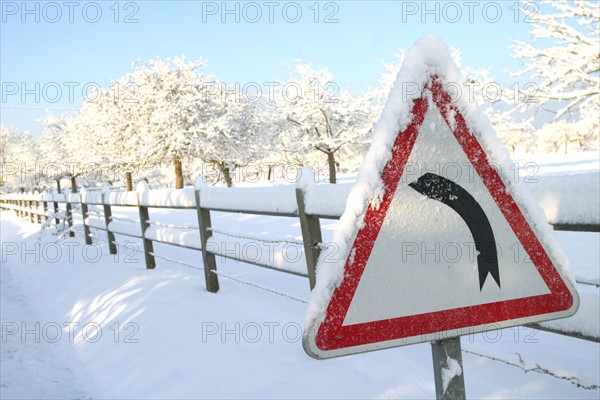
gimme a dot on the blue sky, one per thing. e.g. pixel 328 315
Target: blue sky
pixel 350 38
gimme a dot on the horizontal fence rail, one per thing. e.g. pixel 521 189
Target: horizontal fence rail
pixel 308 206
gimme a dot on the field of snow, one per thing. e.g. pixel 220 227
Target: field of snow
pixel 78 322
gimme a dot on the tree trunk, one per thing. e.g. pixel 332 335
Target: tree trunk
pixel 178 173
pixel 332 168
pixel 226 173
pixel 58 185
pixel 129 181
pixel 73 185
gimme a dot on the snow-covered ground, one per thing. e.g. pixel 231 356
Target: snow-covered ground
pixel 78 322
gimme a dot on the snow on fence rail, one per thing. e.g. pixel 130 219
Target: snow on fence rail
pixel 570 202
pixel 566 204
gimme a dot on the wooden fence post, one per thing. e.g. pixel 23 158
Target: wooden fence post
pixel 56 219
pixel 23 209
pixel 147 243
pixel 69 216
pixel 311 237
pixel 69 206
pixel 84 214
pixel 37 210
pixel 31 214
pixel 208 258
pixel 45 205
pixel 112 247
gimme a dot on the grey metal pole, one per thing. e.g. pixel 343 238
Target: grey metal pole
pixel 448 369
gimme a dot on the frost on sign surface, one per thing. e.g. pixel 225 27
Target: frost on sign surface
pixel 425 253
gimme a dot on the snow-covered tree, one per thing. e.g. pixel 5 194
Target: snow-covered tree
pixel 563 58
pixel 108 126
pixel 319 115
pixel 555 136
pixel 514 134
pixel 19 159
pixel 62 149
pixel 238 132
pixel 170 119
pixel 563 136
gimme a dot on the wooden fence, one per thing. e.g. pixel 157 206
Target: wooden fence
pixel 46 208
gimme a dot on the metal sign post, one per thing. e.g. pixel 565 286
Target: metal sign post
pixel 448 369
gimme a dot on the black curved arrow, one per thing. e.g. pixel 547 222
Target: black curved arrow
pixel 454 196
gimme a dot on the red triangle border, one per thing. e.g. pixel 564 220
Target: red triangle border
pixel 332 335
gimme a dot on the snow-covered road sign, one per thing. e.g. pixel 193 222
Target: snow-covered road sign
pixel 437 239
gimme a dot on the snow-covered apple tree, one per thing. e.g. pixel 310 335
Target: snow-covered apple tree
pixel 172 114
pixel 320 116
pixel 19 159
pixel 109 125
pixel 238 132
pixel 65 148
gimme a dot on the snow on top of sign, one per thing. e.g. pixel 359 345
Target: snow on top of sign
pixel 428 57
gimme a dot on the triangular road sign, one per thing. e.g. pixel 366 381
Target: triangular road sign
pixel 437 240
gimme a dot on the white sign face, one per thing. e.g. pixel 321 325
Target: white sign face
pixel 446 251
pixel 425 256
